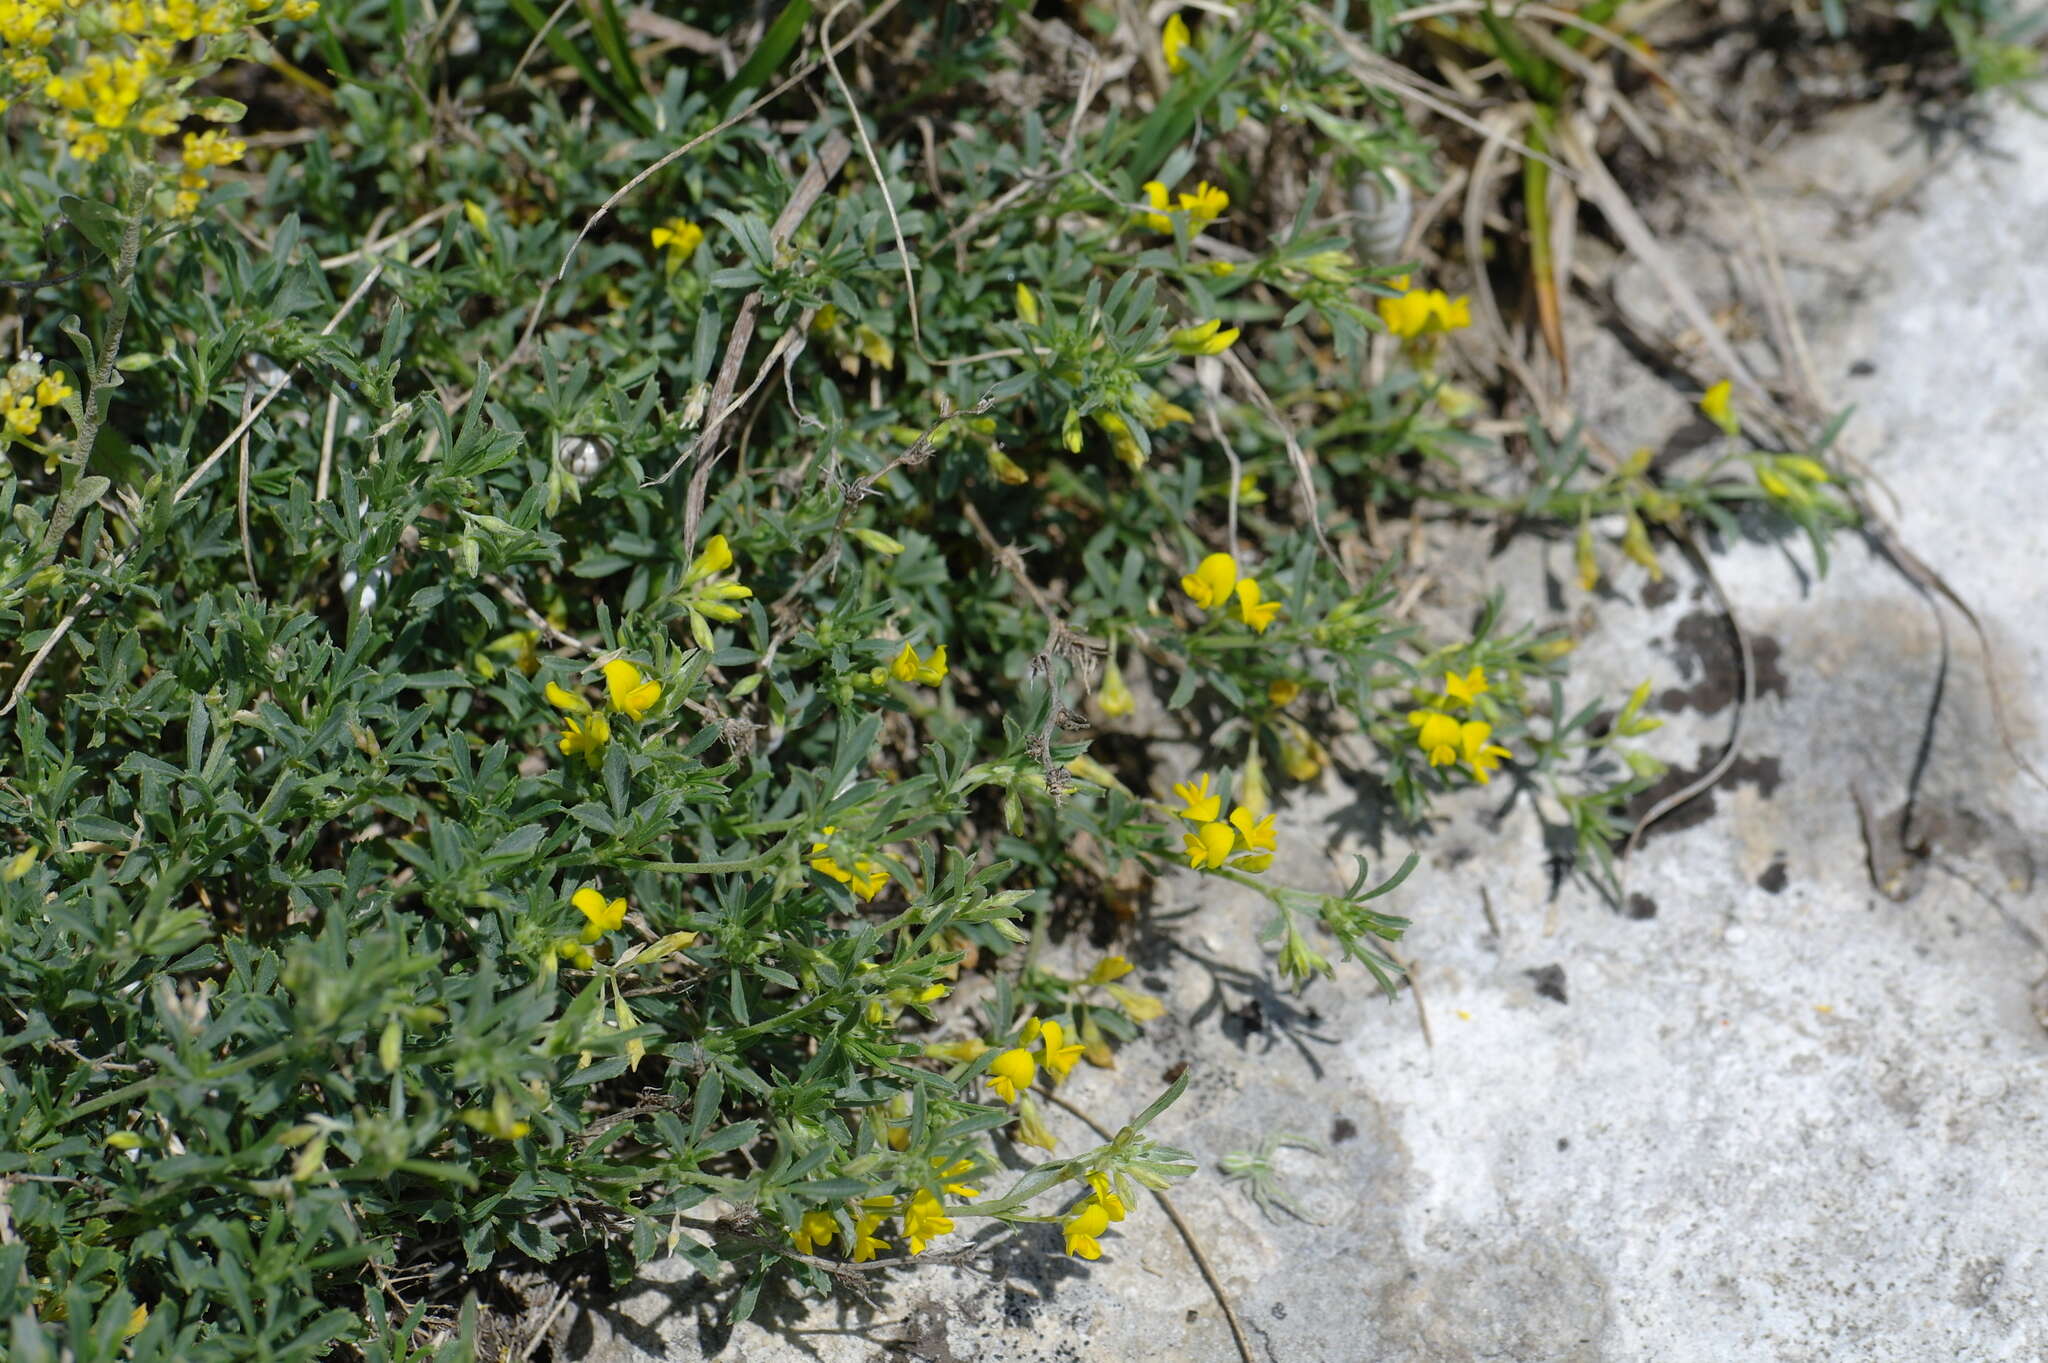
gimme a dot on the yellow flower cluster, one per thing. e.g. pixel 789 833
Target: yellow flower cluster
pixel 1247 837
pixel 1418 312
pixel 27 390
pixel 1089 1220
pixel 110 68
pixel 923 1214
pixel 1215 581
pixel 866 879
pixel 1202 207
pixel 1448 740
pixel 203 151
pixel 1013 1072
pixel 707 598
pixel 586 729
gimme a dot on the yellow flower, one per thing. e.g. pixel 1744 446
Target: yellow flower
pixel 1012 1072
pixel 680 238
pixel 1204 206
pixel 563 699
pixel 1205 339
pixel 715 558
pixel 865 1241
pixel 604 915
pixel 1111 1204
pixel 1210 845
pixel 1114 698
pixel 1157 220
pixel 586 734
pixel 1172 38
pixel 1082 1228
pixel 909 667
pixel 23 416
pixel 1464 690
pixel 1203 804
pixel 633 693
pixel 1027 307
pixel 814 1230
pixel 1210 583
pixel 1137 1007
pixel 1258 835
pixel 1417 312
pixel 1480 755
pixel 1719 406
pixel 924 1220
pixel 866 879
pixel 967 1051
pixel 1437 735
pixel 1282 691
pixel 1250 609
pixel 1122 443
pixel 959 1168
pixel 53 389
pixel 1061 1055
pixel 1107 969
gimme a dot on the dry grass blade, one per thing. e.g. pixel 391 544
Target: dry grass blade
pixel 1305 482
pixel 1377 71
pixel 860 125
pixel 1596 184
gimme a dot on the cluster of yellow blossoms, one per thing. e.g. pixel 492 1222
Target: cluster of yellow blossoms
pixel 1215 581
pixel 1247 837
pixel 112 68
pixel 585 729
pixel 1202 207
pixel 1092 1218
pixel 203 151
pixel 706 597
pixel 1013 1071
pixel 1448 740
pixel 27 390
pixel 923 1214
pixel 1418 312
